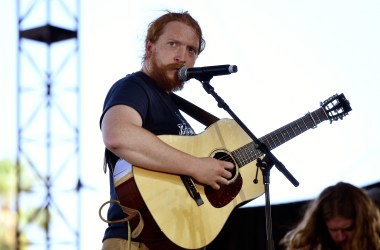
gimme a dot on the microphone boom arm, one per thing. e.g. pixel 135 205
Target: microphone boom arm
pixel 261 146
pixel 265 164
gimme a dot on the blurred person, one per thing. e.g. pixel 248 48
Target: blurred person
pixel 342 217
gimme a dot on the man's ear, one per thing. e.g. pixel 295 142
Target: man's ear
pixel 148 49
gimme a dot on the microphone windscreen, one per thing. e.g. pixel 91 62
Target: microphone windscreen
pixel 182 74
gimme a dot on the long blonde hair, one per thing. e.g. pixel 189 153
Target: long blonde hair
pixel 347 201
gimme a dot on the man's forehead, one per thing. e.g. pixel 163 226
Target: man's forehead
pixel 181 32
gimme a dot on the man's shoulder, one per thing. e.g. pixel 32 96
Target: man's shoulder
pixel 132 77
pixel 136 78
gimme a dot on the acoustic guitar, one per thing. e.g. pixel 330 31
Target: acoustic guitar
pixel 192 215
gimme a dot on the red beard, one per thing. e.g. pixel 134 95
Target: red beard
pixel 159 74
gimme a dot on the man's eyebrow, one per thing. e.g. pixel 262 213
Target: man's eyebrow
pixel 194 48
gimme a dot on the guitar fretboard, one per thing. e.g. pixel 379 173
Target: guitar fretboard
pixel 250 152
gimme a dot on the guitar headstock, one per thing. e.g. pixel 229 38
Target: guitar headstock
pixel 336 107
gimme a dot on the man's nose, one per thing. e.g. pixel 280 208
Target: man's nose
pixel 180 56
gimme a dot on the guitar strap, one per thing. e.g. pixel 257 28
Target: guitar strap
pixel 189 108
pixel 194 111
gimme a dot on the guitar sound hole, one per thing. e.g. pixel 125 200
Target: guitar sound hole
pixel 226 193
pixel 221 155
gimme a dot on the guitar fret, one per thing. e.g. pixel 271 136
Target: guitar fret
pixel 287 131
pixel 318 120
pixel 274 141
pixel 305 123
pixel 243 158
pixel 246 154
pixel 320 114
pixel 294 132
pixel 278 139
pixel 312 120
pixel 267 142
pixel 282 134
pixel 299 128
pixel 238 157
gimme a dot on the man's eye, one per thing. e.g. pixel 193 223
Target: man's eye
pixel 192 51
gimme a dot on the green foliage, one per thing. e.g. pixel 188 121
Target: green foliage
pixel 7 197
pixel 39 216
pixel 7 178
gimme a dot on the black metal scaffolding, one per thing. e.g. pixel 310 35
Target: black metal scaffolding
pixel 48 125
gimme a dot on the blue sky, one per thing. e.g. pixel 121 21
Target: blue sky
pixel 290 56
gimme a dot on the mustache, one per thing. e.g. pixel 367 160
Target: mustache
pixel 173 66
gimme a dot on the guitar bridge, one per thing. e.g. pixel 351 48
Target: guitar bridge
pixel 192 189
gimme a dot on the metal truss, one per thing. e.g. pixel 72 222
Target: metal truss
pixel 48 119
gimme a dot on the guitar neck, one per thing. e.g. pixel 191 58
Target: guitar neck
pixel 249 152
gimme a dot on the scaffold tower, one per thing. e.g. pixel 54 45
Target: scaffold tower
pixel 48 125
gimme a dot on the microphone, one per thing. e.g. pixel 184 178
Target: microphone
pixel 205 73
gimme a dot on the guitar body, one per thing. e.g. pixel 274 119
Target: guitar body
pixel 175 211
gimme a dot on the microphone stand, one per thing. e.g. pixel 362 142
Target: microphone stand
pixel 264 164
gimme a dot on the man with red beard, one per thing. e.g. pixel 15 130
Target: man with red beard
pixel 139 107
